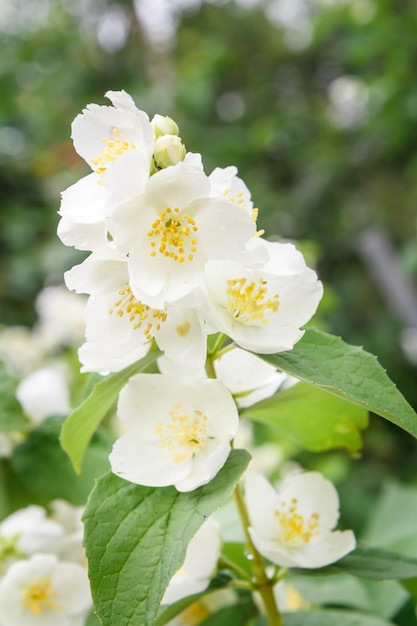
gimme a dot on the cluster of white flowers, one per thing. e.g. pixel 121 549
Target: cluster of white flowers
pixel 175 257
pixel 177 264
pixel 43 575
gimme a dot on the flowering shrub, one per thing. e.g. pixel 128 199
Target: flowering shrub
pixel 194 328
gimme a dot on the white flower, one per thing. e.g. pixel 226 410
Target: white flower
pixel 262 308
pixel 293 527
pixel 179 432
pixel 30 531
pixel 69 518
pixel 44 392
pixel 119 327
pixel 173 229
pixel 117 142
pixel 201 558
pixel 248 378
pixel 118 137
pixel 225 183
pixel 44 591
pixel 61 317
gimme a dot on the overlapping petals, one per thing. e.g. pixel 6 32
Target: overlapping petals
pixel 294 526
pixel 179 432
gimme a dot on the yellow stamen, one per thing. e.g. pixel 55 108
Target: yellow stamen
pixel 172 234
pixel 247 301
pixel 185 434
pixel 39 596
pixel 295 529
pixel 114 147
pixel 183 329
pixel 138 313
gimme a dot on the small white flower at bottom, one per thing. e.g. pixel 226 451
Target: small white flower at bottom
pixel 44 591
pixel 179 431
pixel 200 562
pixel 293 527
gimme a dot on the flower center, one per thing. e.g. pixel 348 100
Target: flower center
pixel 39 596
pixel 296 530
pixel 185 434
pixel 139 314
pixel 239 200
pixel 113 148
pixel 247 301
pixel 172 234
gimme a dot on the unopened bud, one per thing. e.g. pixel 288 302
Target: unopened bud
pixel 164 126
pixel 169 150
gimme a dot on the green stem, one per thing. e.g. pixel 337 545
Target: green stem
pixel 225 563
pixel 219 342
pixel 263 583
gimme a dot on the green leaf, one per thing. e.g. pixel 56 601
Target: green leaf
pixel 81 424
pixel 348 372
pixel 11 414
pixel 314 419
pixel 136 538
pixel 392 523
pixel 45 470
pixel 373 563
pixel 332 618
pixel 235 615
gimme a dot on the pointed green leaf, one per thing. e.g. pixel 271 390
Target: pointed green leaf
pixel 372 563
pixel 314 419
pixel 348 372
pixel 136 538
pixel 81 424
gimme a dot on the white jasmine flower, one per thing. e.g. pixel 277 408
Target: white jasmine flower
pixel 106 136
pixel 31 531
pixel 119 327
pixel 21 349
pixel 225 182
pixel 61 317
pixel 69 518
pixel 173 228
pixel 44 591
pixel 248 378
pixel 199 566
pixel 293 527
pixel 117 142
pixel 179 432
pixel 262 309
pixel 44 392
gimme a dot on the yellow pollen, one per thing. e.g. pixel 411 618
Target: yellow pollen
pixel 137 312
pixel 172 234
pixel 295 529
pixel 185 434
pixel 113 148
pixel 183 329
pixel 247 300
pixel 40 596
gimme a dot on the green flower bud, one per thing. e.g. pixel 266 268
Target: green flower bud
pixel 164 126
pixel 169 150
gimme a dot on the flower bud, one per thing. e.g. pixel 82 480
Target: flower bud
pixel 164 126
pixel 169 150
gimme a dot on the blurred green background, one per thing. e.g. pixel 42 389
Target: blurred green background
pixel 315 102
